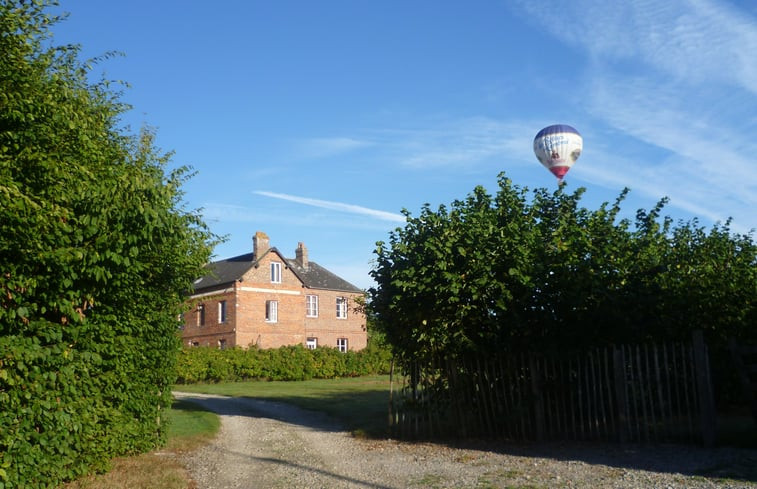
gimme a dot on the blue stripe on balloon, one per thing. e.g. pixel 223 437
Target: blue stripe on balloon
pixel 556 129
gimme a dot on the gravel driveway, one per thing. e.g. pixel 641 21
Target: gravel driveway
pixel 265 445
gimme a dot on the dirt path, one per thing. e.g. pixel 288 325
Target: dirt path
pixel 271 445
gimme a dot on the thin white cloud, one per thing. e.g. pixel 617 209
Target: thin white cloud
pixel 704 162
pixel 679 78
pixel 336 206
pixel 694 196
pixel 656 114
pixel 463 143
pixel 219 216
pixel 693 40
pixel 468 143
pixel 328 147
pixel 216 212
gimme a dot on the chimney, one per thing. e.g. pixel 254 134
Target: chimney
pixel 260 244
pixel 301 254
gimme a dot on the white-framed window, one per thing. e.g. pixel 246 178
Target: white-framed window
pixel 311 306
pixel 222 344
pixel 311 343
pixel 341 308
pixel 271 311
pixel 341 344
pixel 200 314
pixel 222 316
pixel 275 272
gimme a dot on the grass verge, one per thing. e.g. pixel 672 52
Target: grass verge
pixel 190 427
pixel 360 403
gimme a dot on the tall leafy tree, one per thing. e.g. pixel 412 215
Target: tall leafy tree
pixel 507 273
pixel 96 252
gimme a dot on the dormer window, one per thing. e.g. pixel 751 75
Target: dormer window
pixel 275 272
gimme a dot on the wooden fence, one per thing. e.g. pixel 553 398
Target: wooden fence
pixel 635 393
pixel 745 362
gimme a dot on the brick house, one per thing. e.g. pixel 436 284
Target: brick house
pixel 264 299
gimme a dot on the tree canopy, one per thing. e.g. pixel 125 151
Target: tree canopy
pixel 96 254
pixel 537 271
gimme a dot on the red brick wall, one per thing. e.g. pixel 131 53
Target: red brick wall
pixel 254 290
pixel 246 309
pixel 327 328
pixel 212 332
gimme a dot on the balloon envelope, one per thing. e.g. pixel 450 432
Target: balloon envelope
pixel 557 148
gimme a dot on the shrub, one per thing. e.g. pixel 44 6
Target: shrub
pixel 206 364
pixel 96 255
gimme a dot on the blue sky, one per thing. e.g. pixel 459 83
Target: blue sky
pixel 320 121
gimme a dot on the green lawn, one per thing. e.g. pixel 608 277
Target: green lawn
pixel 360 403
pixel 190 426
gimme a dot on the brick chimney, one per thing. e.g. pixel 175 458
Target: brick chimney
pixel 260 244
pixel 301 254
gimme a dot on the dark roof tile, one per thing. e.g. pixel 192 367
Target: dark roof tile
pixel 224 271
pixel 314 277
pixel 317 277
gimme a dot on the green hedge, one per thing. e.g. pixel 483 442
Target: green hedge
pixel 205 364
pixel 96 254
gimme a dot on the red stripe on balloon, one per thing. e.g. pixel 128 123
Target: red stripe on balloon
pixel 559 171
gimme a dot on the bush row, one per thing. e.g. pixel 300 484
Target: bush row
pixel 205 364
pixel 96 254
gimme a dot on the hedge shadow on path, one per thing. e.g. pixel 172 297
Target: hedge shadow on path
pixel 689 460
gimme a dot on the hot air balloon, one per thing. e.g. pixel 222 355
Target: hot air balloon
pixel 557 148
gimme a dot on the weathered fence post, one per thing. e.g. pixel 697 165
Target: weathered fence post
pixel 621 400
pixel 536 391
pixel 455 392
pixel 704 388
pixel 390 414
pixel 743 357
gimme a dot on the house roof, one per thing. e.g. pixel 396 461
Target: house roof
pixel 224 271
pixel 232 269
